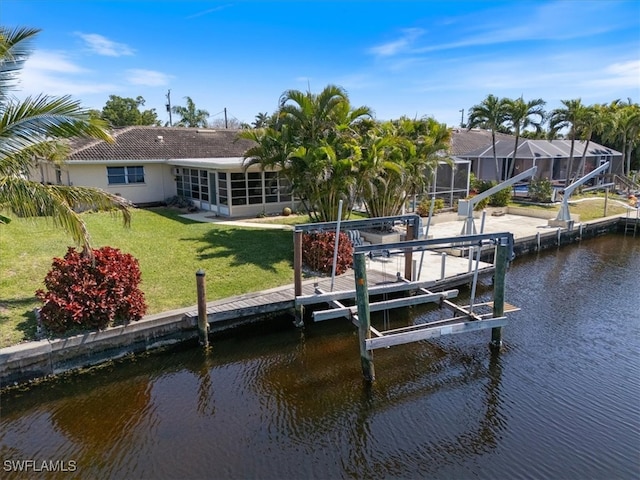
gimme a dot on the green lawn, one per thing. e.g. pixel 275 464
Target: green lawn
pixel 169 248
pixel 589 207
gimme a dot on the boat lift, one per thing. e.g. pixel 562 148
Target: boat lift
pixel 465 318
pixel 466 207
pixel 564 216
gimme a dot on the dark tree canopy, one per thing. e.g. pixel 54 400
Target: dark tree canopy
pixel 121 112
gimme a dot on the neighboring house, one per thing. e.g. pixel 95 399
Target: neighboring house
pixel 550 156
pixel 148 165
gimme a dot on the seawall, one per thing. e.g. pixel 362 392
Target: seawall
pixel 30 361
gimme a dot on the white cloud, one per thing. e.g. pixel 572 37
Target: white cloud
pixel 211 10
pixel 402 44
pixel 623 74
pixel 54 73
pixel 49 61
pixel 149 78
pixel 103 46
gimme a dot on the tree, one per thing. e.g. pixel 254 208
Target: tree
pixel 313 140
pixel 567 117
pixel 121 112
pixel 625 129
pixel 489 114
pixel 191 116
pixel 592 120
pixel 32 129
pixel 518 114
pixel 262 120
pixel 231 123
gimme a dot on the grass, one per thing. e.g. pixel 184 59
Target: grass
pixel 299 219
pixel 170 250
pixel 589 207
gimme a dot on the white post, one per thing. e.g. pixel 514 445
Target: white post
pixel 335 248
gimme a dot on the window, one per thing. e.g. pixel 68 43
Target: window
pixel 222 188
pixel 193 183
pixel 125 175
pixel 276 188
pixel 238 189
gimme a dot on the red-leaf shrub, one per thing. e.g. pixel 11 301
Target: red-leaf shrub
pixel 90 293
pixel 317 252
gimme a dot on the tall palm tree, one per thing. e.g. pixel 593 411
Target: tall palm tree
pixel 625 129
pixel 190 115
pixel 312 138
pixel 31 130
pixel 567 117
pixel 520 115
pixel 592 121
pixel 489 114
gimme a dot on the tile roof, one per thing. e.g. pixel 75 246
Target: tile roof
pixel 172 143
pixel 539 149
pixel 161 143
pixel 464 141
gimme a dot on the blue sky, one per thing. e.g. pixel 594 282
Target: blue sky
pixel 414 58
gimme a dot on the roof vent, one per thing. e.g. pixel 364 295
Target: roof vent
pixel 160 139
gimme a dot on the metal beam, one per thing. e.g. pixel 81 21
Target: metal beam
pixel 385 305
pixel 417 245
pixel 469 226
pixel 433 332
pixel 375 290
pixel 563 213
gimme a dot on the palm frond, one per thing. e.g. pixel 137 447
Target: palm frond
pixel 60 203
pixel 35 119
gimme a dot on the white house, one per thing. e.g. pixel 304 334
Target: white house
pixel 148 165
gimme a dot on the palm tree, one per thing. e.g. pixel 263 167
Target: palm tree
pixel 489 114
pixel 625 128
pixel 190 115
pixel 381 170
pixel 312 138
pixel 592 121
pixel 519 114
pixel 262 120
pixel 31 130
pixel 567 117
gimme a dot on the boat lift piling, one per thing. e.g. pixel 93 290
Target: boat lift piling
pixel 465 319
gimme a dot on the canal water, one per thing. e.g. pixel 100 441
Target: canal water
pixel 560 401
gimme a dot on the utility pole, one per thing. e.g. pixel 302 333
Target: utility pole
pixel 226 125
pixel 461 118
pixel 169 107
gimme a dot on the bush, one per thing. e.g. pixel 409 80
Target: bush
pixel 182 203
pixel 540 190
pixel 425 205
pixel 88 293
pixel 317 252
pixel 501 198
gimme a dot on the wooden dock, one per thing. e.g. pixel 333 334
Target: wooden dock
pixel 252 307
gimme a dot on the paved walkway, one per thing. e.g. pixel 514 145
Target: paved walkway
pixel 518 225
